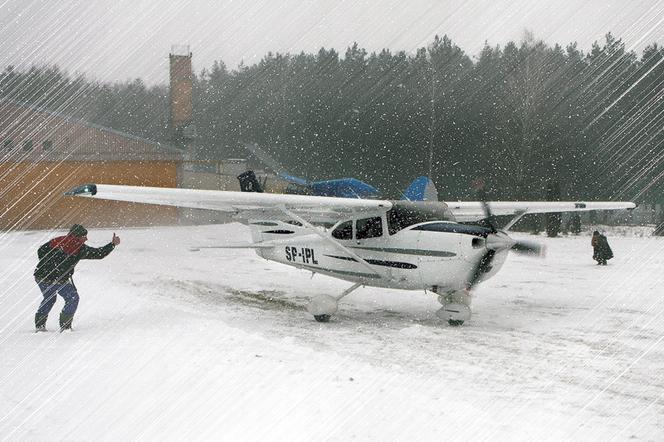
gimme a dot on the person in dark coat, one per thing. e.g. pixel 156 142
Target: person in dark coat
pixel 601 250
pixel 57 259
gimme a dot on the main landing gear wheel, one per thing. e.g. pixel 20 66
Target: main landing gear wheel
pixel 322 307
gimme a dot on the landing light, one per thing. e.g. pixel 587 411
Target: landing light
pixel 85 189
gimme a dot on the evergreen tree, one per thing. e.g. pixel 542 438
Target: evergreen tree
pixel 525 117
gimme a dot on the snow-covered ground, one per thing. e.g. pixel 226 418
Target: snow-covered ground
pixel 171 344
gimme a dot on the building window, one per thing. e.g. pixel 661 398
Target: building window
pixel 47 145
pixel 9 144
pixel 27 145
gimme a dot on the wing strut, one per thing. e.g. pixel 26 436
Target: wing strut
pixel 517 216
pixel 330 241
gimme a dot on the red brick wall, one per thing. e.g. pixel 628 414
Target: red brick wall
pixel 181 90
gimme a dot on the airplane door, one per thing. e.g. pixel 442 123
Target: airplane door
pixel 370 241
pixel 439 254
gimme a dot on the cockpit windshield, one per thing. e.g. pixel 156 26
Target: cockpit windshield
pixel 407 213
pixel 343 231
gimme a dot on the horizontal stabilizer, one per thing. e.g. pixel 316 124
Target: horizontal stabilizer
pixel 235 246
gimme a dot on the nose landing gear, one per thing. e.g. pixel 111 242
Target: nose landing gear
pixel 455 307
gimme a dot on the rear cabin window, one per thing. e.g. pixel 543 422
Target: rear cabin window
pixel 369 228
pixel 343 231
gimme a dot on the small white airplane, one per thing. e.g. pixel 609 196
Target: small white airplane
pixel 412 245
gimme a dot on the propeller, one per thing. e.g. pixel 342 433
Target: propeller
pixel 497 241
pixel 490 219
pixel 529 248
pixel 482 266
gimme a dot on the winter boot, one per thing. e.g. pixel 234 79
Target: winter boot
pixel 65 321
pixel 40 322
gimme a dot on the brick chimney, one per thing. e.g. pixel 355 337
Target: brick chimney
pixel 181 82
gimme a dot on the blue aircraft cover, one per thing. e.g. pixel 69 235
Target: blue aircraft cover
pixel 421 189
pixel 344 188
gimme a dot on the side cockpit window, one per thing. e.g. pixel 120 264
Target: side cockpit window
pixel 369 228
pixel 343 231
pixel 399 218
pixel 407 213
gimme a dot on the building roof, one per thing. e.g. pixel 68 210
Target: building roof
pixel 31 133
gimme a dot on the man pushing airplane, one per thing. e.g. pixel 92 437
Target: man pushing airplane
pixel 57 259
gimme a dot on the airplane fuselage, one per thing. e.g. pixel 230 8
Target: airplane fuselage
pixel 423 256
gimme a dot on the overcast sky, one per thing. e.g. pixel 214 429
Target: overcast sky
pixel 122 39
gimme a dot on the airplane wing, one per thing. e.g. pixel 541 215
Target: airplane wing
pixel 242 205
pixel 473 211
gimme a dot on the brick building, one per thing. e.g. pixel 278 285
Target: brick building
pixel 44 153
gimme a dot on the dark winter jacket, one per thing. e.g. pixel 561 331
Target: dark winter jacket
pixel 601 249
pixel 59 256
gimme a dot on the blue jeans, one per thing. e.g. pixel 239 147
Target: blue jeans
pixel 68 292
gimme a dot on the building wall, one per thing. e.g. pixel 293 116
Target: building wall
pixel 31 194
pixel 210 181
pixel 30 134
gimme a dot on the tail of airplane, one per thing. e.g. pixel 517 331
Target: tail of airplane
pixel 249 182
pixel 421 189
pixel 340 187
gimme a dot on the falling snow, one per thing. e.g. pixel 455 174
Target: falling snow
pixel 172 344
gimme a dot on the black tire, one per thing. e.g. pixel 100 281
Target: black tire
pixel 455 322
pixel 322 318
